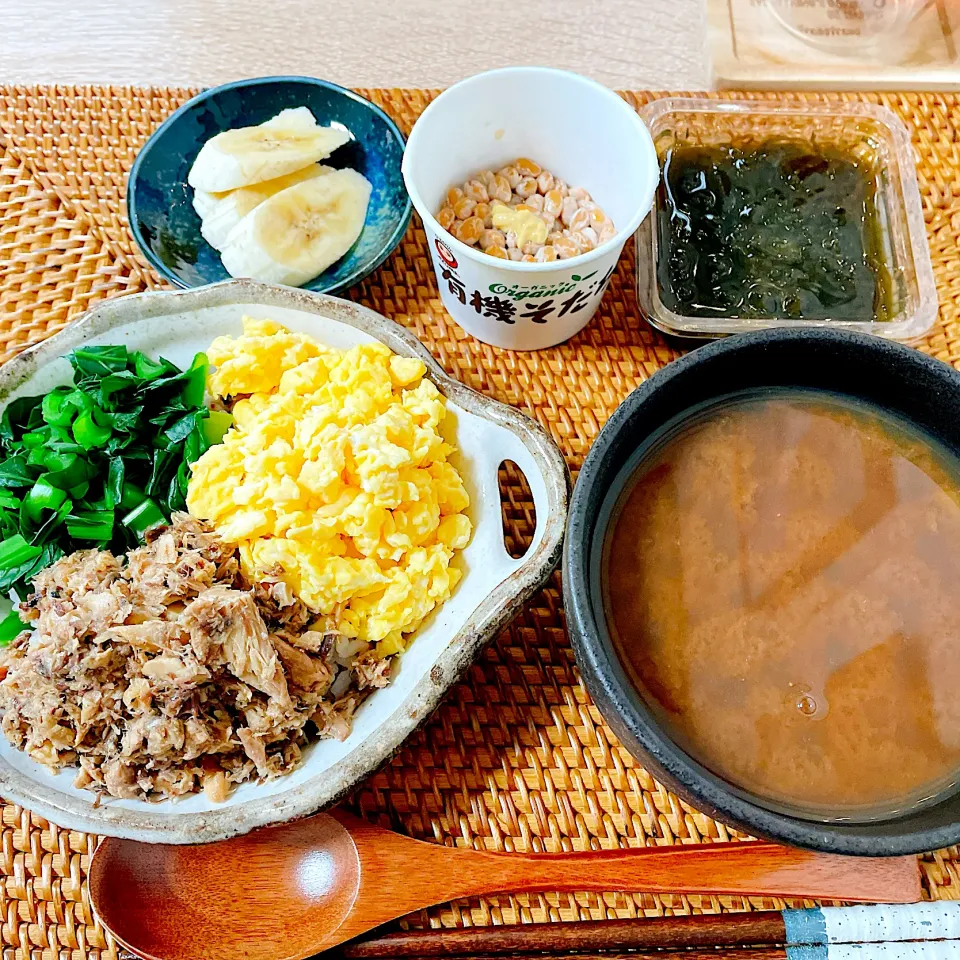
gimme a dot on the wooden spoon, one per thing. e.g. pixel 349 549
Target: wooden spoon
pixel 289 891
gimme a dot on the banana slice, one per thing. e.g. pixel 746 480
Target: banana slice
pixel 299 232
pixel 223 211
pixel 238 158
pixel 204 201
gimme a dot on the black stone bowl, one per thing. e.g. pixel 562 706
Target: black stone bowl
pixel 899 378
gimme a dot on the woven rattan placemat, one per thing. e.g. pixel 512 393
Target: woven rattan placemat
pixel 517 758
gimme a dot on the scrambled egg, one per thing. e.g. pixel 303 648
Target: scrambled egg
pixel 335 470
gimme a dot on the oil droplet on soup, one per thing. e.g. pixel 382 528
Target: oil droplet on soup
pixel 807 705
pixel 781 581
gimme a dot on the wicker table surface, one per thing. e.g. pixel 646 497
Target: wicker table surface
pixel 517 758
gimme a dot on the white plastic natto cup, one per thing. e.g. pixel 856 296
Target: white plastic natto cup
pixel 575 128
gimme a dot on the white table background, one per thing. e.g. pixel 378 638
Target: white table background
pixel 638 44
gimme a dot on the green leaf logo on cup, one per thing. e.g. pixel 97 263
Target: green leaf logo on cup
pixel 576 128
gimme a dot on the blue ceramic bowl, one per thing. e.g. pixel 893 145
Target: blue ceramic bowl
pixel 159 201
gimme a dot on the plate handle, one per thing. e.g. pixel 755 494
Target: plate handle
pixel 511 447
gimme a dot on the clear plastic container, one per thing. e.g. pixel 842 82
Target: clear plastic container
pixel 861 129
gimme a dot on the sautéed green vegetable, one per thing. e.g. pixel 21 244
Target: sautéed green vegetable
pixel 98 462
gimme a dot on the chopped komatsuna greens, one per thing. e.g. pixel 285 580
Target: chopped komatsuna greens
pixel 98 462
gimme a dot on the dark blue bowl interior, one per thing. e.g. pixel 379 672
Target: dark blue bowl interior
pixel 159 201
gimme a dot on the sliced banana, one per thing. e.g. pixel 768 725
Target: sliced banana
pixel 223 211
pixel 238 158
pixel 204 201
pixel 300 231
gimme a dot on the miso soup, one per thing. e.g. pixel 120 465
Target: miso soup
pixel 782 583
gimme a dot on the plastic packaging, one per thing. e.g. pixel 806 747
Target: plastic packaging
pixel 862 129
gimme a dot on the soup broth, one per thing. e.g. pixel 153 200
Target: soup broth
pixel 782 583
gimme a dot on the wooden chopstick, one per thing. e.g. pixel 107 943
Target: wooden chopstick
pixel 708 930
pixel 754 936
pixel 708 953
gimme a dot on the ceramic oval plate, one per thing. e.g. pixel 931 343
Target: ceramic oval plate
pixel 490 593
